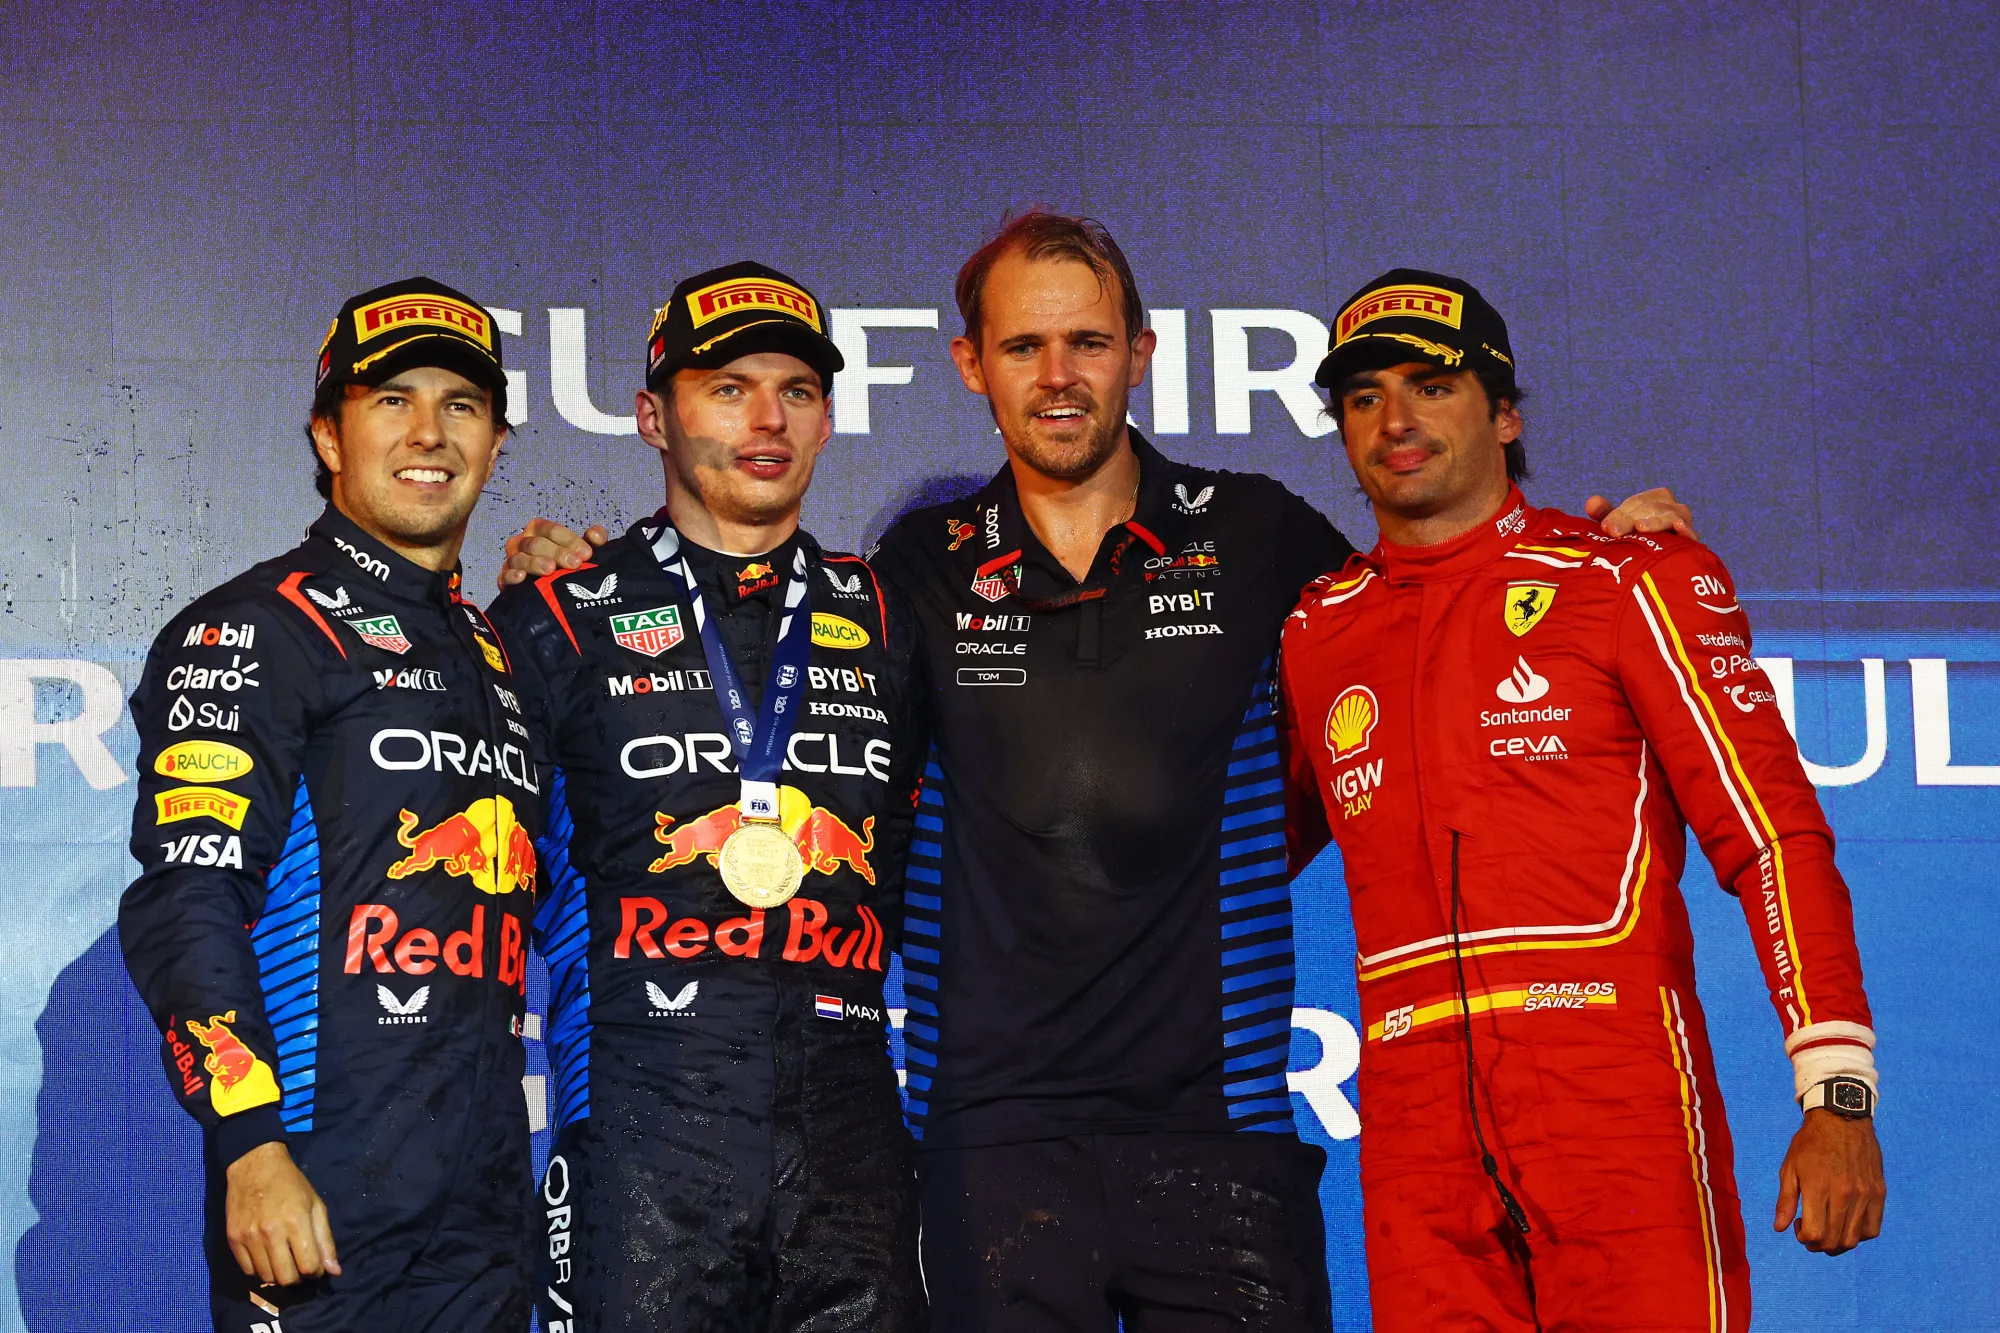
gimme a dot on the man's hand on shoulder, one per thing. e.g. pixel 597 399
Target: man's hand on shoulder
pixel 545 546
pixel 1832 1182
pixel 1648 511
pixel 276 1221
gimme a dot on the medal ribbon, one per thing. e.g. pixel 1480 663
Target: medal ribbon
pixel 760 744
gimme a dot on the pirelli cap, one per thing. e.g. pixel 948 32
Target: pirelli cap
pixel 1408 314
pixel 717 316
pixel 415 322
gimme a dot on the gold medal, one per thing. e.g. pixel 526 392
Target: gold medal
pixel 760 866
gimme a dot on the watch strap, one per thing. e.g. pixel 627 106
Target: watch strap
pixel 1849 1098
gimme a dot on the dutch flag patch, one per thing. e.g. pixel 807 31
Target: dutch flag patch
pixel 829 1006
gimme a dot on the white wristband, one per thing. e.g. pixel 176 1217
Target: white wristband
pixel 1831 1050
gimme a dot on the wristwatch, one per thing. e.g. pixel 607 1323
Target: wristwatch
pixel 1848 1098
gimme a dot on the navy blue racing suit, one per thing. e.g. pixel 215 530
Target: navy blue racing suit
pixel 335 822
pixel 729 1150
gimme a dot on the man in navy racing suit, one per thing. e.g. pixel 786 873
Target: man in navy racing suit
pixel 729 1152
pixel 335 829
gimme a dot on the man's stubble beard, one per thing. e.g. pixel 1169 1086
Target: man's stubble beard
pixel 730 499
pixel 419 526
pixel 1072 462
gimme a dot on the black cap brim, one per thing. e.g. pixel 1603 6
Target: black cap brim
pixel 1381 348
pixel 764 335
pixel 447 353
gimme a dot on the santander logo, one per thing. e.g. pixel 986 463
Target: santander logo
pixel 1523 686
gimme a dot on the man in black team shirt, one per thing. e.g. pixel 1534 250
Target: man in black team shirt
pixel 728 1154
pixel 1098 954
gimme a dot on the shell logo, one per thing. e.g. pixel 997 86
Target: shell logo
pixel 1350 722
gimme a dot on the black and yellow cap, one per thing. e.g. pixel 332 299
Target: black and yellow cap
pixel 1409 314
pixel 415 322
pixel 717 316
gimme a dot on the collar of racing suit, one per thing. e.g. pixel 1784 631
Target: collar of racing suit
pixel 1462 554
pixel 1155 522
pixel 393 572
pixel 735 578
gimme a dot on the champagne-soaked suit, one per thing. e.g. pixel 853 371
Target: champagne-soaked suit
pixel 729 1150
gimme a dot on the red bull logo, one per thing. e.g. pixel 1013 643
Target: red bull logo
pixel 755 577
pixel 483 842
pixel 824 840
pixel 960 532
pixel 697 837
pixel 376 939
pixel 825 843
pixel 241 1080
pixel 646 926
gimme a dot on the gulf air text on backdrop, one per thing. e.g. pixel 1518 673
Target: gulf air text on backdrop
pixel 892 359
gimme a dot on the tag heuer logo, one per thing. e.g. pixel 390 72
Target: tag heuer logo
pixel 381 632
pixel 648 632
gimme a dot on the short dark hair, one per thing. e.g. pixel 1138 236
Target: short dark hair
pixel 326 407
pixel 1499 388
pixel 1039 234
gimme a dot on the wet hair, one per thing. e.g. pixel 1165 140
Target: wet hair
pixel 1039 234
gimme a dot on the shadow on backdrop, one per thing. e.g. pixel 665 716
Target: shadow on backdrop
pixel 116 1174
pixel 918 494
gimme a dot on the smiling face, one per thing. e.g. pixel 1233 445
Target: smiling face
pixel 739 440
pixel 1056 363
pixel 1425 441
pixel 409 457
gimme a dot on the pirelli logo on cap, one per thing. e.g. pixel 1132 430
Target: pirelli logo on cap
pixel 750 294
pixel 397 313
pixel 1410 301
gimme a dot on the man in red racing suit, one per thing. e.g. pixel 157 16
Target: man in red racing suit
pixel 1505 731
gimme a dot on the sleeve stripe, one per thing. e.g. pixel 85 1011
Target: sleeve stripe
pixel 549 595
pixel 1688 691
pixel 1762 832
pixel 289 590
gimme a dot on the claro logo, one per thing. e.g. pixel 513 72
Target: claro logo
pixel 404 749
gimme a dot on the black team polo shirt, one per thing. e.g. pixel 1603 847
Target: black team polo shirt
pixel 1098 930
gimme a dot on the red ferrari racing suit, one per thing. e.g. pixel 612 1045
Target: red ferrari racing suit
pixel 1505 733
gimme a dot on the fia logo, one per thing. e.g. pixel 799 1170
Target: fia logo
pixel 1194 504
pixel 600 593
pixel 333 603
pixel 678 1004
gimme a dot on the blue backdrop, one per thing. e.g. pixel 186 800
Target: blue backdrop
pixel 1750 250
